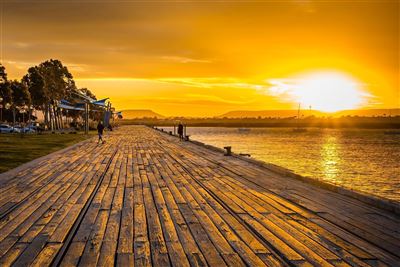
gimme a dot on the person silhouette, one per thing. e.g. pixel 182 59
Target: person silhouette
pixel 180 131
pixel 100 129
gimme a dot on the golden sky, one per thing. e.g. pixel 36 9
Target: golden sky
pixel 204 58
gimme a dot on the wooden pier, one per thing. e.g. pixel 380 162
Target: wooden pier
pixel 146 198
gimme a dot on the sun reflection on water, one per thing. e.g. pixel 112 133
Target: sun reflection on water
pixel 330 159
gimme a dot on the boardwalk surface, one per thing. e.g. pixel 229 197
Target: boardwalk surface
pixel 145 198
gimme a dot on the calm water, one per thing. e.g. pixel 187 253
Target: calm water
pixel 365 160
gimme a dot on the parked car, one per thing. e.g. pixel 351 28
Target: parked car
pixel 17 129
pixel 34 127
pixel 29 129
pixel 4 128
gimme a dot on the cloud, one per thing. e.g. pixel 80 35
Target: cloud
pixel 21 65
pixel 185 60
pixel 216 99
pixel 189 100
pixel 24 66
pixel 215 82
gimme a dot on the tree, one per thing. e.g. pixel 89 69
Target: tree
pixel 5 91
pixel 57 78
pixel 20 95
pixel 37 89
pixel 36 86
pixel 3 74
pixel 49 83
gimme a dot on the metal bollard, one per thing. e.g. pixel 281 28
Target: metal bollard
pixel 228 151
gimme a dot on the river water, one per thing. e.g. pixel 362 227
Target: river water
pixel 364 160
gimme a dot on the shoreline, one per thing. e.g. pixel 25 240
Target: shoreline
pixel 244 125
pixel 376 201
pixel 342 122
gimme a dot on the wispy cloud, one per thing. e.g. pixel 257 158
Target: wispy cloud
pixel 215 82
pixel 185 60
pixel 74 68
pixel 21 65
pixel 198 100
pixel 216 99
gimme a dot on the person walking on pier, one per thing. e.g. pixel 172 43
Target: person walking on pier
pixel 100 129
pixel 180 131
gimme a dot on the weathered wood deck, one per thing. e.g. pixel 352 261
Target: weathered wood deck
pixel 145 198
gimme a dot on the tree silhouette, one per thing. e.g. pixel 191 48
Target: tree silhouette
pixel 20 96
pixel 43 87
pixel 5 90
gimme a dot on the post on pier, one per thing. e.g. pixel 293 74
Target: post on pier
pixel 86 118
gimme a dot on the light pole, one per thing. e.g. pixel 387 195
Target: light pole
pixel 7 106
pixel 30 111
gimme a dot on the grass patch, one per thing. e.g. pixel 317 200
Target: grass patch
pixel 16 149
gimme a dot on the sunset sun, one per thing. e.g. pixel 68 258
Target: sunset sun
pixel 329 91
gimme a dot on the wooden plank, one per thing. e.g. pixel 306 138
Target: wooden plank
pixel 175 249
pixel 91 252
pixel 125 240
pixel 159 251
pixel 73 254
pixel 141 241
pixel 12 255
pixel 46 255
pixel 110 239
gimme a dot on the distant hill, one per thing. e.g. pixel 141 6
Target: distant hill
pixel 140 113
pixel 306 113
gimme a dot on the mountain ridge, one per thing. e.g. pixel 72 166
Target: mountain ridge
pixel 140 113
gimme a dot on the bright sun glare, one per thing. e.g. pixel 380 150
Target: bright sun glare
pixel 328 91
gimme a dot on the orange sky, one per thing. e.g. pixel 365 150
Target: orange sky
pixel 200 58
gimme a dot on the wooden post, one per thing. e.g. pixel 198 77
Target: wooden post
pixel 66 118
pixel 228 150
pixel 86 118
pixel 87 130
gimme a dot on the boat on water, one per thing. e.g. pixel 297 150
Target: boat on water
pixel 244 130
pixel 299 129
